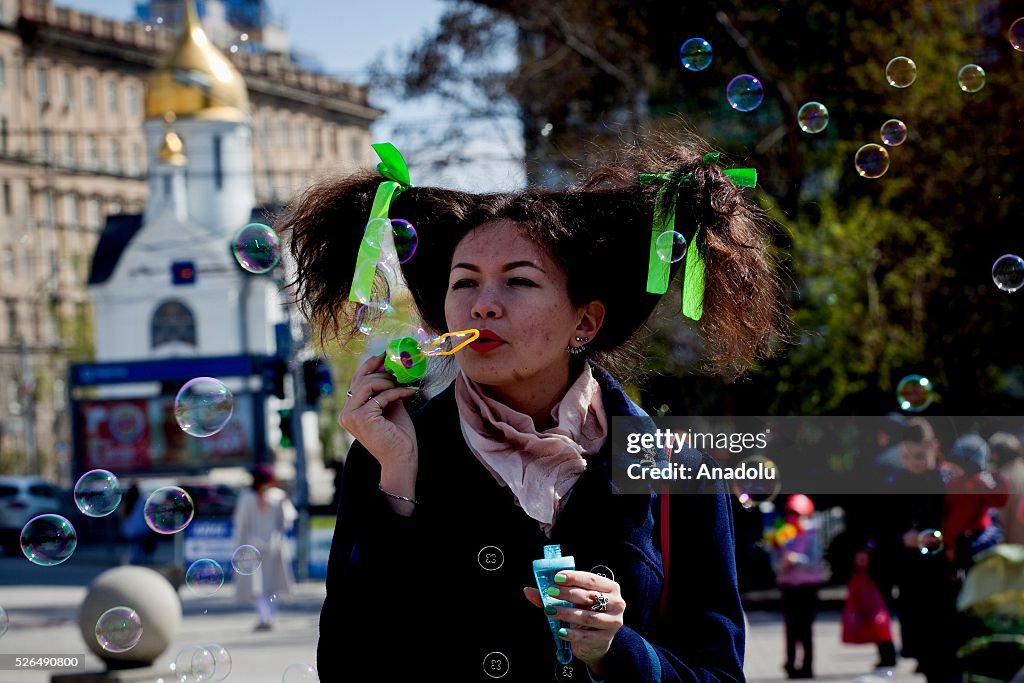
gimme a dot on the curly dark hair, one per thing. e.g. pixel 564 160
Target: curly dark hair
pixel 598 231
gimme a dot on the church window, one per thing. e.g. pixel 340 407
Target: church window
pixel 173 322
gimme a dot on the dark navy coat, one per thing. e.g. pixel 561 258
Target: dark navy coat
pixel 439 595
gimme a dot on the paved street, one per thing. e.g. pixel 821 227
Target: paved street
pixel 42 604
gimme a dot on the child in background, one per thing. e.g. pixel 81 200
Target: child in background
pixel 969 523
pixel 797 560
pixel 865 618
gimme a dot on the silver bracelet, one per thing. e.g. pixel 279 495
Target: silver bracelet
pixel 396 497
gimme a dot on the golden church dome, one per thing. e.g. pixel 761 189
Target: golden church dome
pixel 197 80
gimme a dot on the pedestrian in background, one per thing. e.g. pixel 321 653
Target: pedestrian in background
pixel 263 517
pixel 799 572
pixel 1008 460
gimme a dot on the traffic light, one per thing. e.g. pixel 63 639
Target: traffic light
pixel 286 427
pixel 316 376
pixel 274 372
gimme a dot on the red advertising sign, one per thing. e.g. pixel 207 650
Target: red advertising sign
pixel 141 435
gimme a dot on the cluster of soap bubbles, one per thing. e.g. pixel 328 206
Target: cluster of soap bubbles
pixel 203 406
pixel 744 92
pixel 119 629
pixel 50 539
pixel 257 248
pixel 915 393
pixel 196 663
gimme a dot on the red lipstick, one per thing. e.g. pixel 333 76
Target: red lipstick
pixel 487 341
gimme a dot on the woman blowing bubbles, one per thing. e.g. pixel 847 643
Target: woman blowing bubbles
pixel 444 508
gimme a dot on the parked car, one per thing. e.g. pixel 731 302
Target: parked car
pixel 21 499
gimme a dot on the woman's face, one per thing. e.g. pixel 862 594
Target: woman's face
pixel 508 287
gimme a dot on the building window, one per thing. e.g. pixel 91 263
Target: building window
pixel 8 268
pixel 114 156
pixel 3 72
pixel 356 148
pixel 92 213
pixel 89 91
pixel 3 135
pixel 65 88
pixel 70 210
pixel 42 85
pixel 135 160
pixel 111 96
pixel 47 209
pixel 173 322
pixel 69 148
pixel 44 144
pixel 8 207
pixel 131 97
pixel 92 152
pixel 284 133
pixel 218 167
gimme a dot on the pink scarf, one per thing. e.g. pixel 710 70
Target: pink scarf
pixel 540 468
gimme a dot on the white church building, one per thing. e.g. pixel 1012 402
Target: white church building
pixel 165 284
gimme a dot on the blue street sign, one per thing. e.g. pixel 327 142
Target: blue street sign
pixel 93 374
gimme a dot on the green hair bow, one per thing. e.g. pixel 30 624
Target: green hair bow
pixel 393 167
pixel 658 269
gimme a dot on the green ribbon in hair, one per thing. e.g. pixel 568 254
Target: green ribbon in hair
pixel 393 167
pixel 659 270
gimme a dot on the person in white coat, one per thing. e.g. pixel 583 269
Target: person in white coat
pixel 263 517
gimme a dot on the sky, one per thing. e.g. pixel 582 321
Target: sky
pixel 345 36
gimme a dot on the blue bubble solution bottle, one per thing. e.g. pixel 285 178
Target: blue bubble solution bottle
pixel 544 571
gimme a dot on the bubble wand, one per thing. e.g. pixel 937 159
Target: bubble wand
pixel 406 359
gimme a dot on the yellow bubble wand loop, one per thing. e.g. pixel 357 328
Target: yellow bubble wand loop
pixel 406 360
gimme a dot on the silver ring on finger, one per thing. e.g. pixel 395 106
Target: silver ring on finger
pixel 600 603
pixel 349 394
pixel 377 402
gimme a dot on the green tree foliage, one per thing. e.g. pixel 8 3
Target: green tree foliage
pixel 890 276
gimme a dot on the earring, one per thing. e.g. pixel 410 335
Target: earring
pixel 578 349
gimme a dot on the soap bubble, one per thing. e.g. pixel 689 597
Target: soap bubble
pixel 901 72
pixel 257 248
pixel 812 117
pixel 203 406
pixel 205 576
pixel 915 393
pixel 971 78
pixel 246 560
pixel 670 246
pixel 894 132
pixel 222 661
pixel 1016 34
pixel 871 161
pixel 5 621
pixel 373 228
pixel 744 93
pixel 169 510
pixel 97 493
pixel 1008 272
pixel 48 540
pixel 300 673
pixel 696 54
pixel 756 490
pixel 118 629
pixel 929 541
pixel 194 664
pixel 405 238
